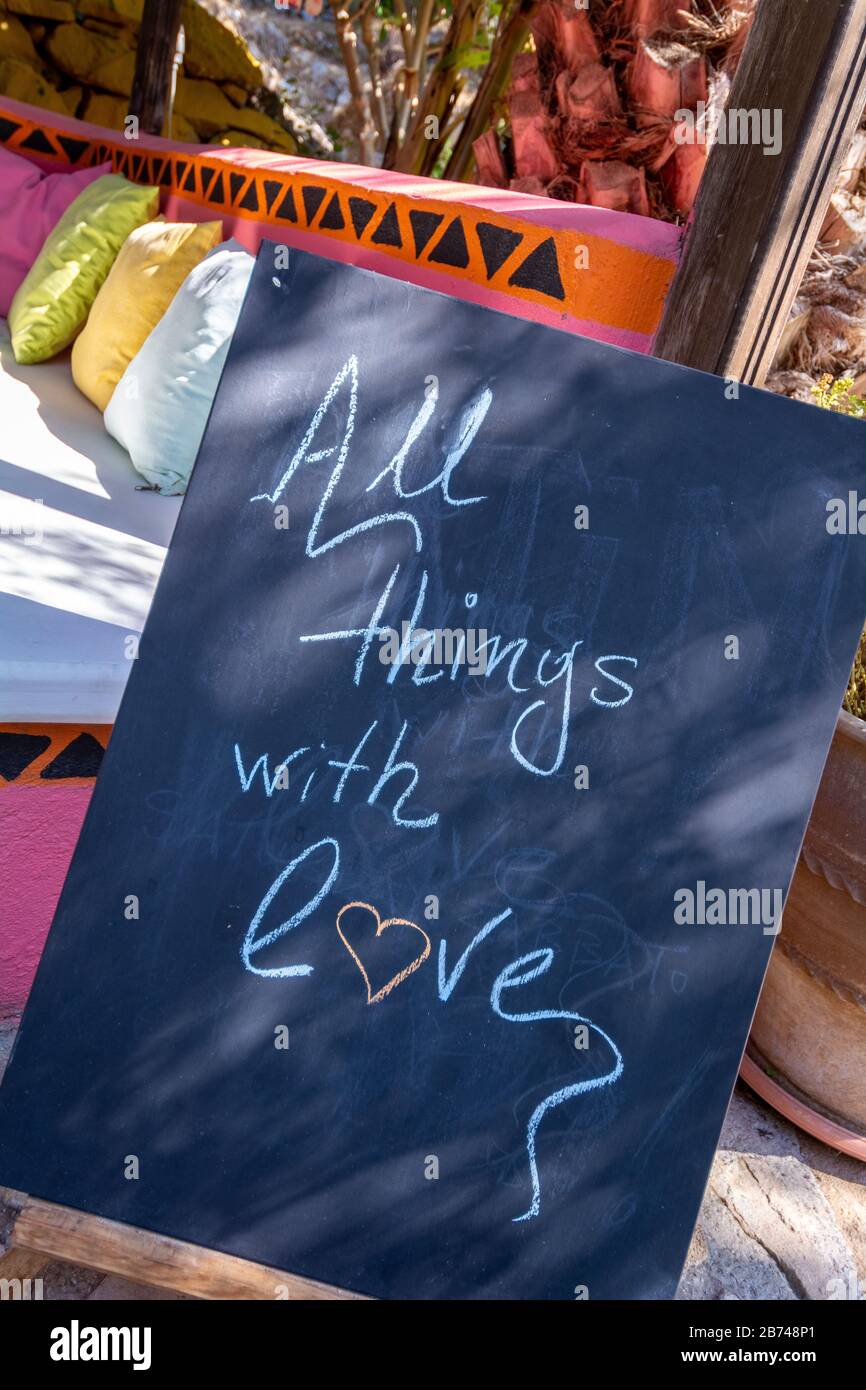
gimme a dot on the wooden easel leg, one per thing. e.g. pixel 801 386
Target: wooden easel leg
pixel 44 1231
pixel 21 1265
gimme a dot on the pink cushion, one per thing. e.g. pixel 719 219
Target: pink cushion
pixel 30 204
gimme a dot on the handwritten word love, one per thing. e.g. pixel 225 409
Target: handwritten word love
pixel 522 971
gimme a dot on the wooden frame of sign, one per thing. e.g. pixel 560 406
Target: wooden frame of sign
pixel 751 235
pixel 45 1231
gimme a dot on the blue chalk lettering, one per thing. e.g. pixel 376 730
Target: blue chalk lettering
pixel 251 945
pixel 612 704
pixel 390 770
pixel 510 979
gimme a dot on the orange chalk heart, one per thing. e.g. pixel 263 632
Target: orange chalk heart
pixel 381 927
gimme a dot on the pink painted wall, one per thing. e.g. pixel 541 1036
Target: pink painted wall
pixel 39 827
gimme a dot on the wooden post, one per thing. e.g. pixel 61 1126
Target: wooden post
pixel 157 41
pixel 757 217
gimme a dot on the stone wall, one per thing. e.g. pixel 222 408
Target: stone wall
pixel 77 57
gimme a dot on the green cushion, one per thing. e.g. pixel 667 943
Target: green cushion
pixel 52 302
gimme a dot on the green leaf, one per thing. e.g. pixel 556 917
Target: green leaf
pixel 839 397
pixel 468 56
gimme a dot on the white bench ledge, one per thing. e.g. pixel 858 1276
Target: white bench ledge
pixel 80 550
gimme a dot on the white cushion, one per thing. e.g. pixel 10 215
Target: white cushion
pixel 160 406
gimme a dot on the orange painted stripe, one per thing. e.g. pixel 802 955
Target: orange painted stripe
pixel 60 737
pixel 621 287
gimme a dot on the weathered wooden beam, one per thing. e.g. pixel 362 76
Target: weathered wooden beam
pixel 157 41
pixel 757 217
pixel 62 1233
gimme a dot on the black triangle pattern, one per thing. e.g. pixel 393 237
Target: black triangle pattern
pixel 287 210
pixel 540 271
pixel 360 211
pixel 497 244
pixel 74 148
pixel 38 140
pixel 332 217
pixel 451 249
pixel 313 199
pixel 80 758
pixel 250 200
pixel 388 231
pixel 18 751
pixel 423 225
pixel 272 190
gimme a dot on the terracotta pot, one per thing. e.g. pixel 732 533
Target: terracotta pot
pixel 807 1051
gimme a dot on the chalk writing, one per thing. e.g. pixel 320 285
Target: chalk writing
pixel 541 679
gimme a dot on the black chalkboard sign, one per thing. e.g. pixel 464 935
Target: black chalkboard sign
pixel 414 933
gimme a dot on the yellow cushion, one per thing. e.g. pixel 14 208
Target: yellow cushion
pixel 152 265
pixel 54 298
